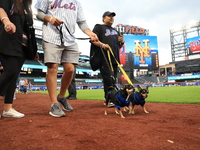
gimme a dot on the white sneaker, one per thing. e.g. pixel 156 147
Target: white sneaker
pixel 12 113
pixel 14 97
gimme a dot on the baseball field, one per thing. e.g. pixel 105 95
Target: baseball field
pixel 172 124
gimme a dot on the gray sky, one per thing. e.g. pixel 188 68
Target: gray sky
pixel 159 16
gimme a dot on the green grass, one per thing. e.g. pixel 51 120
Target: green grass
pixel 181 94
pixel 96 94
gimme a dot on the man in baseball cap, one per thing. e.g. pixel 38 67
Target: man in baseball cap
pixel 108 13
pixel 109 39
pixel 108 18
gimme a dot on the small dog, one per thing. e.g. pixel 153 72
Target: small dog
pixel 138 98
pixel 120 98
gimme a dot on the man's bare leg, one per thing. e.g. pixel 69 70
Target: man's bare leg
pixel 51 81
pixel 66 78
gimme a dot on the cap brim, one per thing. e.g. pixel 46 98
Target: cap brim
pixel 109 13
pixel 113 14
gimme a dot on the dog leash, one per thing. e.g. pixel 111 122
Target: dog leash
pixel 109 66
pixel 61 33
pixel 120 67
pixel 109 58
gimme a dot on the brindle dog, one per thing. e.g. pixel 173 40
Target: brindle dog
pixel 121 98
pixel 138 98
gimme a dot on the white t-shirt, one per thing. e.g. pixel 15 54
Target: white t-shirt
pixel 21 82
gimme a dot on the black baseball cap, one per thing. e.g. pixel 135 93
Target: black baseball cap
pixel 108 13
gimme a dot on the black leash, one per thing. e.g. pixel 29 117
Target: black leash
pixel 61 33
pixel 111 72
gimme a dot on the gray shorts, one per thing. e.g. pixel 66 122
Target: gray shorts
pixel 60 54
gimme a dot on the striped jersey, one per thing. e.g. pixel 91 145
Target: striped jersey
pixel 69 11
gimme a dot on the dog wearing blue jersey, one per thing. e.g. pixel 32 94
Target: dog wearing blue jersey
pixel 138 98
pixel 120 98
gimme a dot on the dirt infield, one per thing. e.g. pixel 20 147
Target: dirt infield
pixel 166 127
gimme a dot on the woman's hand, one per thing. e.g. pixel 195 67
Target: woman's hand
pixel 9 26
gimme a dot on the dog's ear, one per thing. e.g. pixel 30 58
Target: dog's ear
pixel 147 88
pixel 133 88
pixel 127 86
pixel 139 88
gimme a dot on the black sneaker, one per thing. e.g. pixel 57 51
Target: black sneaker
pixel 56 111
pixel 71 98
pixel 64 103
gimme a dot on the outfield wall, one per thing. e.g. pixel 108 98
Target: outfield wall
pixel 84 87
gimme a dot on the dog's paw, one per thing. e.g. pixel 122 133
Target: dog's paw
pixel 123 117
pixel 105 114
pixel 117 113
pixel 146 112
pixel 126 109
pixel 131 113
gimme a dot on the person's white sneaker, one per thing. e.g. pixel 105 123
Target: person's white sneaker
pixel 14 97
pixel 12 113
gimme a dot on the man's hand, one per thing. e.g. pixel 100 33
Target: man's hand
pixel 121 39
pixel 54 21
pixel 106 47
pixel 93 37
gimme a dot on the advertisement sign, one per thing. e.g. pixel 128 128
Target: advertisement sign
pixel 127 29
pixel 183 76
pixel 122 55
pixel 193 45
pixel 142 51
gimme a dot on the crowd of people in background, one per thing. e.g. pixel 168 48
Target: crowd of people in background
pixel 24 86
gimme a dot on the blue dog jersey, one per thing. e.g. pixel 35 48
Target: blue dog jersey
pixel 121 101
pixel 137 99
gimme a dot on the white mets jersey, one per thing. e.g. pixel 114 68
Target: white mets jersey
pixel 69 11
